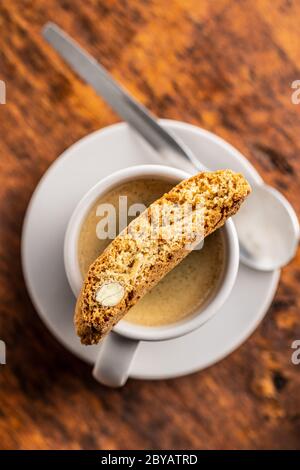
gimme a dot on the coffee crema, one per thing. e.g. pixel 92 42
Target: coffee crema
pixel 184 290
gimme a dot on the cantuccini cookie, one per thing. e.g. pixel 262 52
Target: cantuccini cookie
pixel 152 245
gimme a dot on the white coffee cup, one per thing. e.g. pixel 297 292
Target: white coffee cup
pixel 118 348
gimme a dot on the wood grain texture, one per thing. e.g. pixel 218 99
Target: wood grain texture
pixel 223 65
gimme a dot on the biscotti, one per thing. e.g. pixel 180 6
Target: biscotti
pixel 152 245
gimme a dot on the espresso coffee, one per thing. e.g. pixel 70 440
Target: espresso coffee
pixel 183 291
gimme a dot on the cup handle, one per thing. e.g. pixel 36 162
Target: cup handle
pixel 114 360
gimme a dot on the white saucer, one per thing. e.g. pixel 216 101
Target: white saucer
pixel 53 201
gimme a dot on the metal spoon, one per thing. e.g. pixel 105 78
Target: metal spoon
pixel 267 226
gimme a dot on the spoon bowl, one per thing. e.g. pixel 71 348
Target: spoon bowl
pixel 268 229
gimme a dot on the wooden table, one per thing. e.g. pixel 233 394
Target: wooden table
pixel 222 65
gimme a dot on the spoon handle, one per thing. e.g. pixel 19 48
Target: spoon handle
pixel 125 105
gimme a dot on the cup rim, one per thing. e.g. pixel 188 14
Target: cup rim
pixel 130 330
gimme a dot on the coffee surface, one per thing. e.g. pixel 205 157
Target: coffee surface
pixel 186 288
